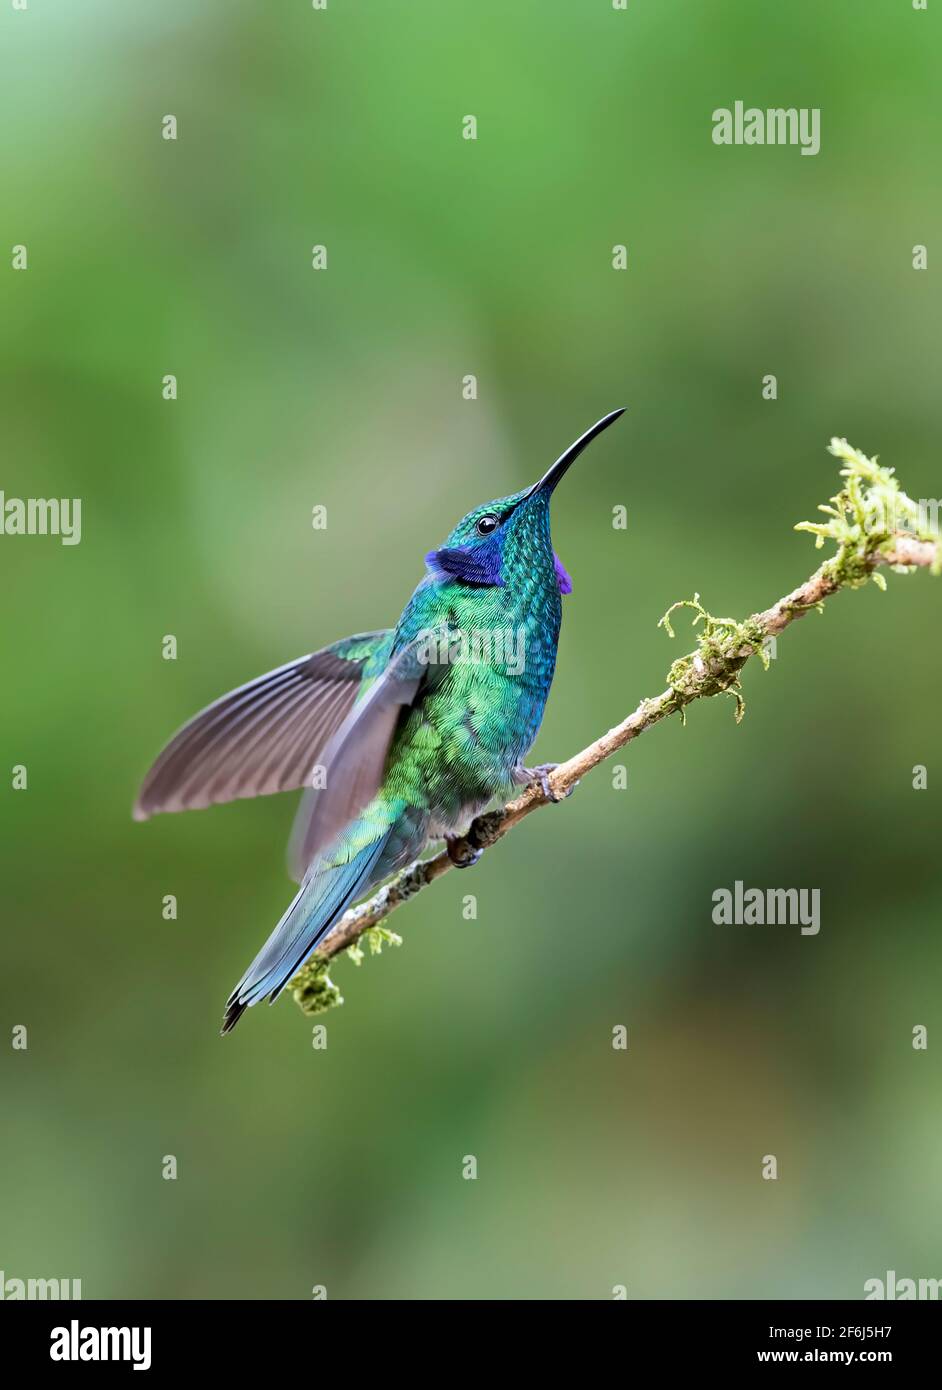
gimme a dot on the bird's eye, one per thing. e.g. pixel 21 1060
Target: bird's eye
pixel 486 524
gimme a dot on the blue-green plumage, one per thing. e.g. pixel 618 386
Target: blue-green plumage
pixel 401 736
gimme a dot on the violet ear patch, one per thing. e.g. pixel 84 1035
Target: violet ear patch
pixel 476 564
pixel 562 576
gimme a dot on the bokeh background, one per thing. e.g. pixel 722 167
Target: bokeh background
pixel 343 388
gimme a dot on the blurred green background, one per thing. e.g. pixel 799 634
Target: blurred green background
pixel 343 388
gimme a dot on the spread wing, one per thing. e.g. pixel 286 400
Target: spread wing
pixel 263 737
pixel 355 759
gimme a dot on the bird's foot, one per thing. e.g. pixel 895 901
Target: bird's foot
pixel 462 853
pixel 541 776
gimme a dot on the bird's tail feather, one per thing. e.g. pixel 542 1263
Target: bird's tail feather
pixel 323 897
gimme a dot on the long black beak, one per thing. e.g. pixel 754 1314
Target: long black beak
pixel 552 476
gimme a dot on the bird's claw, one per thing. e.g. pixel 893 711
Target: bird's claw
pixel 461 852
pixel 541 775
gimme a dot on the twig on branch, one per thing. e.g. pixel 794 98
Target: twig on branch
pixel 874 524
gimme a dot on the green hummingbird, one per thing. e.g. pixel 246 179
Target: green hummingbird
pixel 400 736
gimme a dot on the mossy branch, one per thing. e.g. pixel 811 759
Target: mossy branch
pixel 874 525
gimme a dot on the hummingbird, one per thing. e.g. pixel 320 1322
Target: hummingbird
pixel 400 737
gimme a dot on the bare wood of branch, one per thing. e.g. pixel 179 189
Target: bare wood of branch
pixel 713 669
